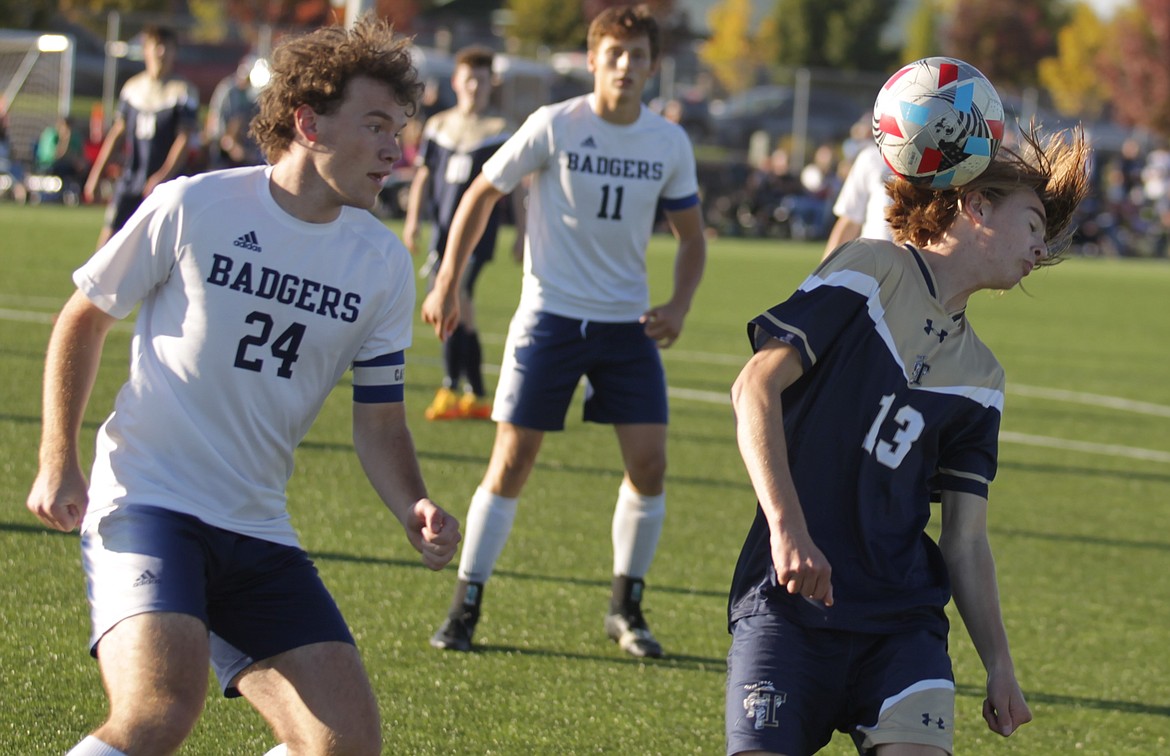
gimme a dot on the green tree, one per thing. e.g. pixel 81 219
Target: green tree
pixel 1136 65
pixel 736 50
pixel 555 24
pixel 27 14
pixel 922 31
pixel 1005 39
pixel 1072 76
pixel 841 34
pixel 563 24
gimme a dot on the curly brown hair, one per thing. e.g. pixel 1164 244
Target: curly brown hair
pixel 314 69
pixel 623 22
pixel 1056 167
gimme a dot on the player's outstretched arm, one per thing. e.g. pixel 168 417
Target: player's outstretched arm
pixel 441 306
pixel 112 140
pixel 664 323
pixel 58 497
pixel 386 450
pixel 414 204
pixel 844 230
pixel 759 431
pixel 965 548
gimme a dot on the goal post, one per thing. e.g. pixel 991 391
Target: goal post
pixel 36 86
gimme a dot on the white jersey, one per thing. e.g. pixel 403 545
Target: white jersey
pixel 248 318
pixel 592 201
pixel 863 197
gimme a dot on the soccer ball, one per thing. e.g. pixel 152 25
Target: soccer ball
pixel 938 122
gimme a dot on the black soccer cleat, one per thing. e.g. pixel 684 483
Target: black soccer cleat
pixel 456 631
pixel 632 635
pixel 454 635
pixel 625 624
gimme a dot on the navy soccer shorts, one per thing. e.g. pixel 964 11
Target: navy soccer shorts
pixel 789 687
pixel 546 355
pixel 257 598
pixel 122 205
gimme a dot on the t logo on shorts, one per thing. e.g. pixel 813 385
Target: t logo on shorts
pixel 762 704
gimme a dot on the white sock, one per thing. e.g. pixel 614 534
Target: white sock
pixel 278 750
pixel 91 746
pixel 637 524
pixel 489 522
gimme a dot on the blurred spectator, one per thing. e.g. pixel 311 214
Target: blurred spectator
pixel 811 210
pixel 231 109
pixel 11 175
pixel 1156 191
pixel 860 137
pixel 60 151
pixel 769 193
pixel 156 116
pixel 95 135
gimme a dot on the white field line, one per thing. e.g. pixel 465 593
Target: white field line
pixel 722 397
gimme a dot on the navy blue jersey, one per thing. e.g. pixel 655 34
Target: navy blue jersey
pixel 899 401
pixel 155 112
pixel 455 146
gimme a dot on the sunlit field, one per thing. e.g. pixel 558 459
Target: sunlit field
pixel 1080 525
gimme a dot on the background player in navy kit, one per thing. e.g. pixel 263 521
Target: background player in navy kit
pixel 259 287
pixel 868 394
pixel 156 116
pixel 599 165
pixel 455 145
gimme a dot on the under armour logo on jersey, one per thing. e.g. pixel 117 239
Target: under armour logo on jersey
pixel 928 720
pixel 930 329
pixel 589 142
pixel 249 241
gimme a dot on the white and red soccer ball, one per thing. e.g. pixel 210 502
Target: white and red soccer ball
pixel 938 122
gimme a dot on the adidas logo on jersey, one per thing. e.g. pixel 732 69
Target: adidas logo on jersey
pixel 249 241
pixel 589 142
pixel 146 578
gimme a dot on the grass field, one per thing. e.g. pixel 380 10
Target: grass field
pixel 1080 526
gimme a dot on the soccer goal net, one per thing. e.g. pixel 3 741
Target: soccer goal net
pixel 36 86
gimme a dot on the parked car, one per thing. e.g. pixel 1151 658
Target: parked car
pixel 772 108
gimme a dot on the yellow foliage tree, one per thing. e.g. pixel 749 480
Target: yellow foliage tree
pixel 738 48
pixel 1072 76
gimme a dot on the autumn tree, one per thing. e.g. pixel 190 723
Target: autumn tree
pixel 563 24
pixel 840 34
pixel 1136 65
pixel 1072 76
pixel 1005 39
pixel 736 49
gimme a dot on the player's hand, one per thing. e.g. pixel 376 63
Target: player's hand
pixel 59 498
pixel 441 311
pixel 433 533
pixel 664 324
pixel 89 192
pixel 801 567
pixel 1005 709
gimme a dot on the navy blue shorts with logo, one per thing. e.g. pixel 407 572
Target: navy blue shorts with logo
pixel 790 687
pixel 257 598
pixel 546 355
